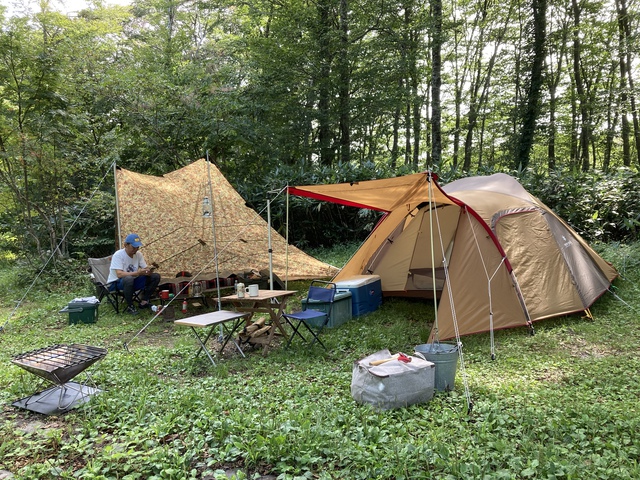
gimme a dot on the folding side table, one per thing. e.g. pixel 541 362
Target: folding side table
pixel 211 320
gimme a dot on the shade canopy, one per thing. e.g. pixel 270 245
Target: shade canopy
pixel 167 213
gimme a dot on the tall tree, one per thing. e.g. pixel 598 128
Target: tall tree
pixel 584 133
pixel 436 82
pixel 627 96
pixel 555 70
pixel 490 37
pixel 531 108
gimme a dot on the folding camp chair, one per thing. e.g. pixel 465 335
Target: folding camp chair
pixel 99 268
pixel 315 313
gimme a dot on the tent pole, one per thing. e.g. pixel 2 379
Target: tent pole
pixel 213 230
pixel 433 266
pixel 115 183
pixel 286 270
pixel 270 249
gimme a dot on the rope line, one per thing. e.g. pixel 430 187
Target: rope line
pixel 454 317
pixel 75 220
pixel 489 280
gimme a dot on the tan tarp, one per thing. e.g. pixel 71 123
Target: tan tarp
pixel 167 213
pixel 510 260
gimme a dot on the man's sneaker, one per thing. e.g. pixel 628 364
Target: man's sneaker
pixel 144 305
pixel 131 310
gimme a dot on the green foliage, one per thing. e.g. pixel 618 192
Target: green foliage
pixel 295 93
pixel 312 223
pixel 559 404
pixel 598 206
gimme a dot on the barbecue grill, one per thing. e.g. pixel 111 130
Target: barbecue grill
pixel 59 364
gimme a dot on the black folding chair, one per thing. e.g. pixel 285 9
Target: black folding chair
pixel 315 313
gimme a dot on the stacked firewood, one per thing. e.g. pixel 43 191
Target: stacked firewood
pixel 255 333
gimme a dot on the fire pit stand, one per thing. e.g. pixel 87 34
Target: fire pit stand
pixel 59 364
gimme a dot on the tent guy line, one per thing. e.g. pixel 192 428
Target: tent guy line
pixel 463 371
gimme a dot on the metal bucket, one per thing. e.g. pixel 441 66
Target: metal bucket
pixel 445 358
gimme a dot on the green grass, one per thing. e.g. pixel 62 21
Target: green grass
pixel 560 404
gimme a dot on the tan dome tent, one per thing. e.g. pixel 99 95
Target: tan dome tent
pixel 167 213
pixel 509 259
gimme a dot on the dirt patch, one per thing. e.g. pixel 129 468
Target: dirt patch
pixel 578 347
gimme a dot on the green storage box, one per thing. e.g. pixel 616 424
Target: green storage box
pixel 341 311
pixel 81 312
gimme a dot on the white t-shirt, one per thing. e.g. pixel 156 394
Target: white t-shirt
pixel 121 261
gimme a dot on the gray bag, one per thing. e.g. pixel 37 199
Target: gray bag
pixel 393 384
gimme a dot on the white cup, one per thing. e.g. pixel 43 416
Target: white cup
pixel 252 290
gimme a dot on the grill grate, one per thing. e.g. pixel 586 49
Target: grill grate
pixel 58 364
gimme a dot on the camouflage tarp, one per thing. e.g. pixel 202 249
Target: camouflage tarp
pixel 167 213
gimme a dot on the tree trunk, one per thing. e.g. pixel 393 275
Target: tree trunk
pixel 396 136
pixel 436 83
pixel 585 130
pixel 625 128
pixel 532 109
pixel 626 77
pixel 324 90
pixel 479 89
pixel 345 82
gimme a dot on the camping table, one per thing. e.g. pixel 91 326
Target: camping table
pixel 272 302
pixel 212 320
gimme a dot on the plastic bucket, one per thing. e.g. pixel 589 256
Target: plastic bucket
pixel 445 358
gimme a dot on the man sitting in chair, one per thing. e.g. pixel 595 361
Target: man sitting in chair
pixel 130 273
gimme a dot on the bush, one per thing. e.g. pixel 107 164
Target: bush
pixel 598 206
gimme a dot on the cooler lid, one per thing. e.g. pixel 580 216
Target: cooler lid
pixel 81 305
pixel 357 281
pixel 338 296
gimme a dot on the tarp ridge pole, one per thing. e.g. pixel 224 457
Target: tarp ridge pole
pixel 286 277
pixel 269 243
pixel 115 183
pixel 433 260
pixel 215 244
pixel 213 231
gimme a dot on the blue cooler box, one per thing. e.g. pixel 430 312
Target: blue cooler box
pixel 340 312
pixel 366 293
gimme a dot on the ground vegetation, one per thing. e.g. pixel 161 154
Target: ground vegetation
pixel 559 404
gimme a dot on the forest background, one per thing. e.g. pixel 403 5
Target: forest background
pixel 296 92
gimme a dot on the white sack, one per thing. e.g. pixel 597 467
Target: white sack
pixel 393 384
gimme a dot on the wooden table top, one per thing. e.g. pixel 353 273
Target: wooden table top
pixel 262 295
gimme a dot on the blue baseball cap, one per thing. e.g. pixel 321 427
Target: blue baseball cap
pixel 133 239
